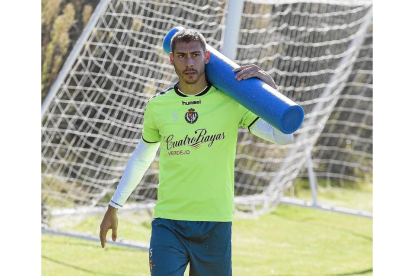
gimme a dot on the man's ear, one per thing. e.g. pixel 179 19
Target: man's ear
pixel 207 57
pixel 171 58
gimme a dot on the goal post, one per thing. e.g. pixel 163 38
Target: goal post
pixel 232 28
pixel 318 52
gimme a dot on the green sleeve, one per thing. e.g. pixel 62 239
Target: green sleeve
pixel 150 133
pixel 248 119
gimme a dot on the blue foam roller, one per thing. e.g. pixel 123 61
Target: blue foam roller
pixel 257 96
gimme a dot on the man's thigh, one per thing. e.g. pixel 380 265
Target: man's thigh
pixel 211 255
pixel 167 253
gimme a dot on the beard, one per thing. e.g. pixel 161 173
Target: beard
pixel 184 77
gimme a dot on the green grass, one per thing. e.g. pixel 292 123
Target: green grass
pixel 289 241
pixel 359 197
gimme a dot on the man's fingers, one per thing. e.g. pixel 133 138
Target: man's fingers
pixel 102 236
pixel 114 234
pixel 243 67
pixel 246 74
pixel 241 74
pixel 239 68
pixel 103 241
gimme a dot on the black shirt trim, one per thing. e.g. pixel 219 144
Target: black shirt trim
pixel 149 141
pixel 163 92
pixel 252 123
pixel 198 95
pixel 116 203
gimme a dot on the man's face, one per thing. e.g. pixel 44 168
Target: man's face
pixel 189 61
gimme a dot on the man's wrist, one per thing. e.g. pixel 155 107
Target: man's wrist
pixel 269 80
pixel 112 208
pixel 114 204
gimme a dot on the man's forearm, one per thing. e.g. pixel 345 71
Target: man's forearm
pixel 267 132
pixel 137 165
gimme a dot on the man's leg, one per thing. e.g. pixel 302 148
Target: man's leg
pixel 167 253
pixel 210 249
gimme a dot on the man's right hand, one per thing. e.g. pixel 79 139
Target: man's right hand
pixel 110 221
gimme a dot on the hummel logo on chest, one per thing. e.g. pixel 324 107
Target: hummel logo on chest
pixel 191 102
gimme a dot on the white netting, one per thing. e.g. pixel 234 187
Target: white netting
pixel 319 54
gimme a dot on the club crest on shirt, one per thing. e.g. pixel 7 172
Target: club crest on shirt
pixel 191 116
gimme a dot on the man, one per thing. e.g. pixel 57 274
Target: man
pixel 196 126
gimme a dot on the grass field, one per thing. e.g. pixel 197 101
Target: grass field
pixel 289 241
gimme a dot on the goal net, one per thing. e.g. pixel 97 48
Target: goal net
pixel 318 52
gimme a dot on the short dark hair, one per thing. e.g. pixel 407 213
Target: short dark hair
pixel 187 35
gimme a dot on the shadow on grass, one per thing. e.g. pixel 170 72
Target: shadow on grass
pixel 79 268
pixel 90 244
pixel 358 235
pixel 146 224
pixel 342 274
pixel 315 222
pixel 354 273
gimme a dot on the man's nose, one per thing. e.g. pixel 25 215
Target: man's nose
pixel 189 62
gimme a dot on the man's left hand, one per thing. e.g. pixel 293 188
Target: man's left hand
pixel 253 71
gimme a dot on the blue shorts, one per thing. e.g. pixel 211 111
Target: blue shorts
pixel 205 245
